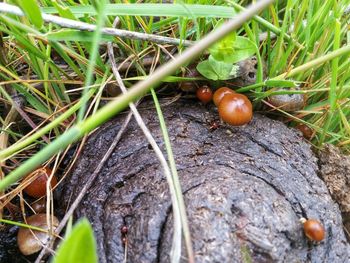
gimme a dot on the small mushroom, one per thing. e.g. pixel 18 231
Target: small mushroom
pixel 313 229
pixel 235 109
pixel 31 241
pixel 39 206
pixel 288 102
pixel 113 90
pixel 204 94
pixel 305 130
pixel 220 93
pixel 37 188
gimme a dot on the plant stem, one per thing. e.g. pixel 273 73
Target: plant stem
pixel 92 61
pixel 176 181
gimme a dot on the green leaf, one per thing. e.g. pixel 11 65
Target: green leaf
pixel 75 35
pixel 234 72
pixel 244 48
pixel 224 49
pixel 79 246
pixel 223 70
pixel 169 10
pixel 206 70
pixel 233 49
pixel 217 70
pixel 32 11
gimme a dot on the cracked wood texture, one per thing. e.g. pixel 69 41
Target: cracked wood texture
pixel 245 189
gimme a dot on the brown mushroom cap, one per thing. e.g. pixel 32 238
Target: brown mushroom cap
pixel 31 241
pixel 235 109
pixel 204 94
pixel 37 188
pixel 220 93
pixel 314 230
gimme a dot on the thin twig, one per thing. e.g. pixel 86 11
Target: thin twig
pixel 18 105
pixel 69 23
pixel 86 187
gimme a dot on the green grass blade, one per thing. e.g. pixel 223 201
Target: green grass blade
pixel 75 35
pixel 169 10
pixel 63 11
pixel 174 173
pixel 51 149
pixel 333 85
pixel 93 56
pixel 32 11
pixel 316 62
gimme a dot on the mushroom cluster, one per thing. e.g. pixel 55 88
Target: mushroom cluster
pixel 31 240
pixel 235 109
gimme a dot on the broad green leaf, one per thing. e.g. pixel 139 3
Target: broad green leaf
pixel 75 35
pixel 79 246
pixel 224 49
pixel 32 11
pixel 234 71
pixel 233 49
pixel 169 10
pixel 217 70
pixel 206 70
pixel 244 48
pixel 223 70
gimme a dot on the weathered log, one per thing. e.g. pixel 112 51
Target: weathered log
pixel 245 189
pixel 335 172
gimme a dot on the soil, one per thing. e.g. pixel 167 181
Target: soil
pixel 245 190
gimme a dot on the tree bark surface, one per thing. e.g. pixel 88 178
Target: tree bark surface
pixel 245 189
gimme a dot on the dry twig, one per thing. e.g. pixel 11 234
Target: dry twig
pixel 69 23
